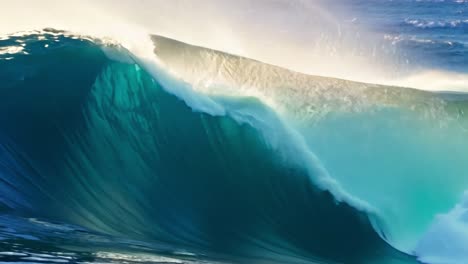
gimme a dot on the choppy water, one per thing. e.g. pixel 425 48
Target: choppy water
pixel 432 34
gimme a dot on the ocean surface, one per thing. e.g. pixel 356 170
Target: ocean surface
pixel 149 148
pixel 431 34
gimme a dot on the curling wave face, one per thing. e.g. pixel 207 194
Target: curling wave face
pixel 215 153
pixel 400 150
pixel 113 151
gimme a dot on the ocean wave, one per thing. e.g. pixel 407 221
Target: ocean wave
pixel 312 102
pixel 212 152
pixel 188 149
pixel 115 152
pixel 425 24
pixel 396 39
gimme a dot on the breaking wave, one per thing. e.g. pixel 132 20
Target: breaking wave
pixel 219 154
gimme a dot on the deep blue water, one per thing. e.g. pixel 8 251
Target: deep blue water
pixel 428 33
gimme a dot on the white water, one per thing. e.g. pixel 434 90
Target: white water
pixel 446 241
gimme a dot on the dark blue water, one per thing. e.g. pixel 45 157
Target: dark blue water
pixel 430 34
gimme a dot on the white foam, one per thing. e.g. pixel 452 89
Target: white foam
pixel 11 50
pixel 121 257
pixel 446 241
